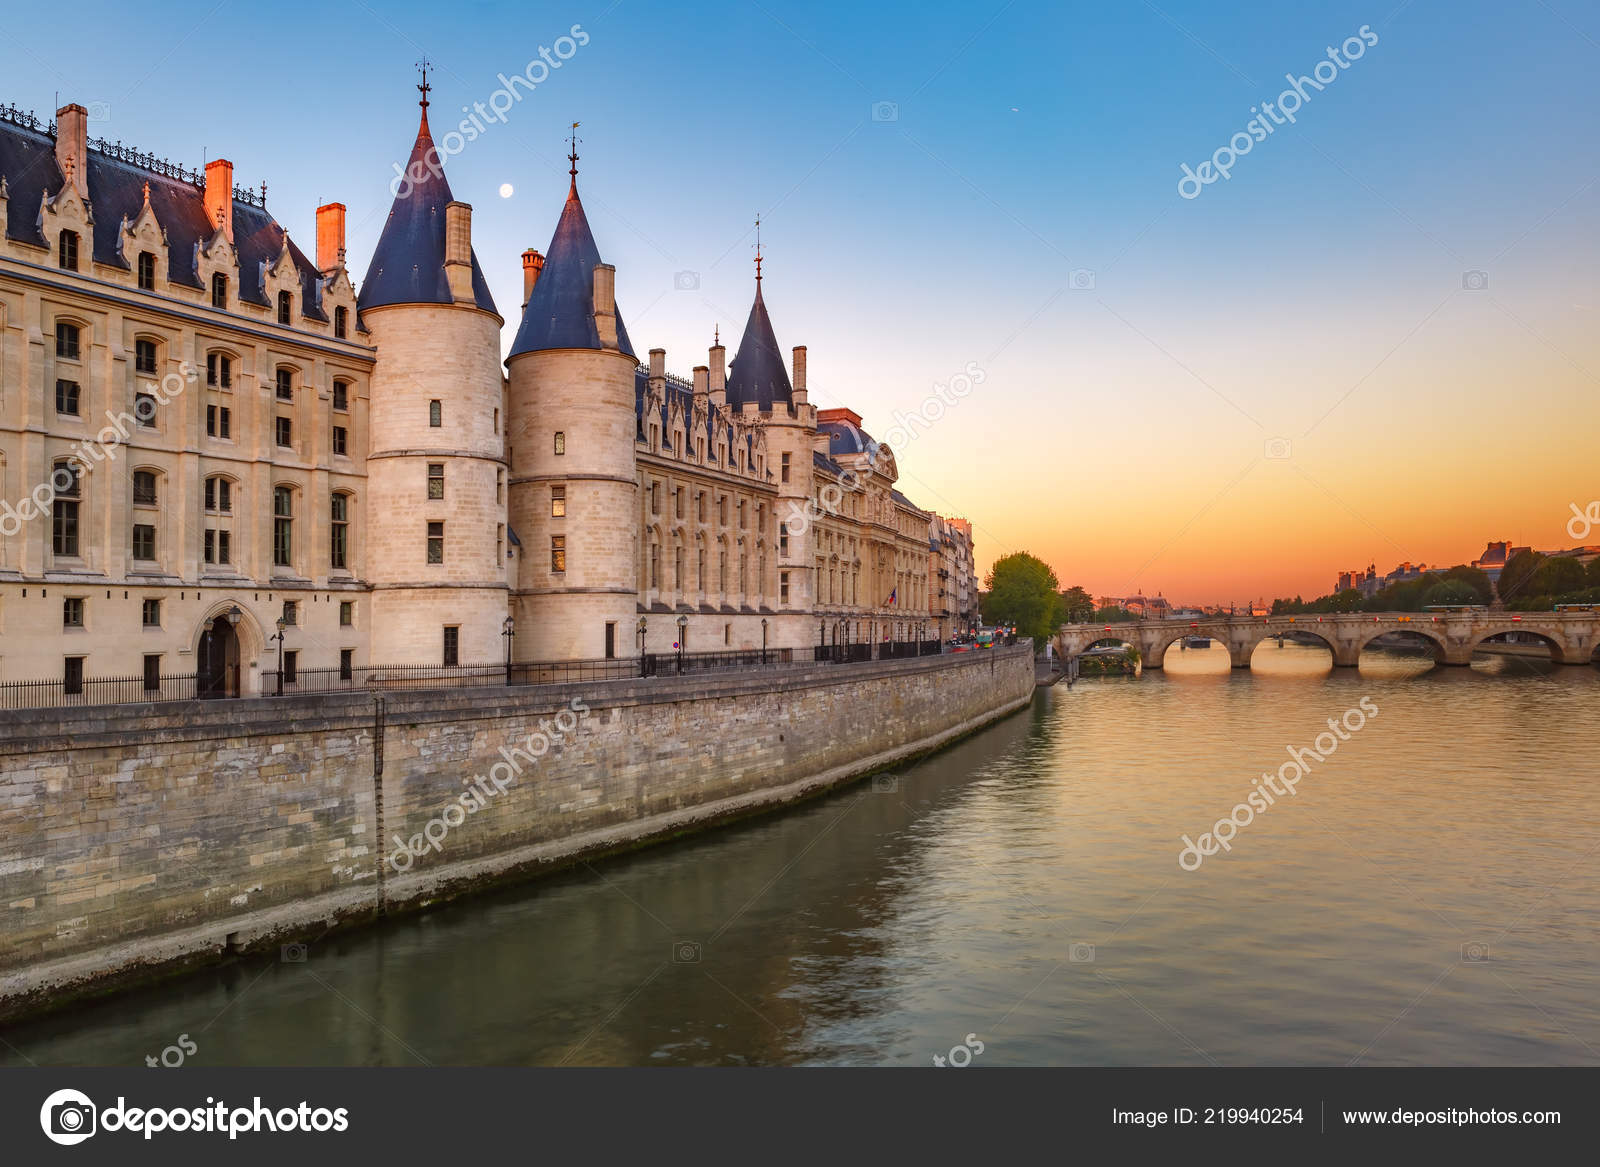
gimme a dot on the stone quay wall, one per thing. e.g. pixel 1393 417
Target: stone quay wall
pixel 137 840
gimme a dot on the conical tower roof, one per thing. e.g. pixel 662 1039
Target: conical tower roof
pixel 758 373
pixel 560 313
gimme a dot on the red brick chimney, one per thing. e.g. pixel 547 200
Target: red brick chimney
pixel 219 195
pixel 72 146
pixel 532 265
pixel 330 236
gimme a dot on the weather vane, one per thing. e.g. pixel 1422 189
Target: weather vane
pixel 424 87
pixel 573 156
pixel 758 249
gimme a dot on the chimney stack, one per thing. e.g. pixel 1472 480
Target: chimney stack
pixel 330 236
pixel 800 374
pixel 458 251
pixel 72 146
pixel 658 368
pixel 219 196
pixel 700 374
pixel 532 265
pixel 605 304
pixel 719 373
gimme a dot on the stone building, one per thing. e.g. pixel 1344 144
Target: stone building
pixel 204 432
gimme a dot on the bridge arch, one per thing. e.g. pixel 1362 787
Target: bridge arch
pixel 1550 638
pixel 1425 632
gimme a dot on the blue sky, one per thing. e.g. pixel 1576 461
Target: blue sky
pixel 1316 295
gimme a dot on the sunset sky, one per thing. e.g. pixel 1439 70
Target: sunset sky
pixel 931 176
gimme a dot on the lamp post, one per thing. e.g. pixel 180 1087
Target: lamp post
pixel 642 624
pixel 763 640
pixel 683 636
pixel 282 624
pixel 508 630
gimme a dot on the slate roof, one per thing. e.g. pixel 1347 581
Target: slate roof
pixel 116 190
pixel 408 265
pixel 847 438
pixel 560 313
pixel 758 373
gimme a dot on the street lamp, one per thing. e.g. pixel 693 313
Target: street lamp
pixel 507 630
pixel 683 636
pixel 642 623
pixel 763 640
pixel 282 624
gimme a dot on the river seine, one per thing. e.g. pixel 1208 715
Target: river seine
pixel 1429 894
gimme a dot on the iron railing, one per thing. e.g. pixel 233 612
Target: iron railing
pixel 97 691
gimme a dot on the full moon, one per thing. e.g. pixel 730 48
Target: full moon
pixel 505 190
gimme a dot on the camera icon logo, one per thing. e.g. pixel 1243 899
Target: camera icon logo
pixel 686 952
pixel 1472 953
pixel 885 783
pixel 885 111
pixel 686 281
pixel 99 111
pixel 292 954
pixel 67 1117
pixel 1080 953
pixel 1277 449
pixel 1475 281
pixel 1081 279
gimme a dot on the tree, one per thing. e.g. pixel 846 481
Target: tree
pixel 1076 606
pixel 1023 591
pixel 1516 577
pixel 1557 576
pixel 1450 591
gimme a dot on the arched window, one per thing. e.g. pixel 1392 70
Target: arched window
pixel 68 251
pixel 144 357
pixel 219 495
pixel 67 336
pixel 144 488
pixel 219 290
pixel 285 307
pixel 341 322
pixel 147 272
pixel 285 384
pixel 282 527
pixel 339 531
pixel 219 370
pixel 64 478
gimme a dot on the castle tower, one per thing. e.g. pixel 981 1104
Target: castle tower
pixel 435 471
pixel 758 379
pixel 571 427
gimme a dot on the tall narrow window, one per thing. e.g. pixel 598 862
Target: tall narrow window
pixel 144 541
pixel 285 384
pixel 558 502
pixel 341 395
pixel 558 553
pixel 147 272
pixel 73 679
pixel 64 511
pixel 144 488
pixel 435 413
pixel 66 340
pixel 67 397
pixel 152 672
pixel 340 441
pixel 144 357
pixel 783 471
pixel 219 290
pixel 435 479
pixel 783 538
pixel 282 527
pixel 284 431
pixel 285 307
pixel 435 542
pixel 219 370
pixel 69 251
pixel 339 531
pixel 150 613
pixel 452 646
pixel 561 441
pixel 341 322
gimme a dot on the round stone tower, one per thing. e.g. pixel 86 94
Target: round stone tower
pixel 435 512
pixel 572 419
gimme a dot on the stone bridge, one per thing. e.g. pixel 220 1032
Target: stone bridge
pixel 1571 637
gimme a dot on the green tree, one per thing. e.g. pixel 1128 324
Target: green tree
pixel 1023 590
pixel 1594 572
pixel 1076 605
pixel 1558 576
pixel 1450 591
pixel 1113 615
pixel 1516 577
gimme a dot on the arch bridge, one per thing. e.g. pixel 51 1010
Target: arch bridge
pixel 1572 637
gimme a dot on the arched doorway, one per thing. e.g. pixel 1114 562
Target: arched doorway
pixel 217 660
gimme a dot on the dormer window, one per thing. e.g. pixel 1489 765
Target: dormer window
pixel 219 290
pixel 68 253
pixel 285 306
pixel 147 272
pixel 341 322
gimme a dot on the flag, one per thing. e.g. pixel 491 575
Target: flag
pixel 892 596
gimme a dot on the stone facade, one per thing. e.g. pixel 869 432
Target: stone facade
pixel 143 836
pixel 365 470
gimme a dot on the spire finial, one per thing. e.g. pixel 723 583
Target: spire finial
pixel 147 192
pixel 572 154
pixel 758 249
pixel 424 87
pixel 716 335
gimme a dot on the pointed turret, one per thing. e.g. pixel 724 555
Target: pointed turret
pixel 408 266
pixel 758 373
pixel 560 312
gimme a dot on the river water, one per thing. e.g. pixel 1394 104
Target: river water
pixel 1430 895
